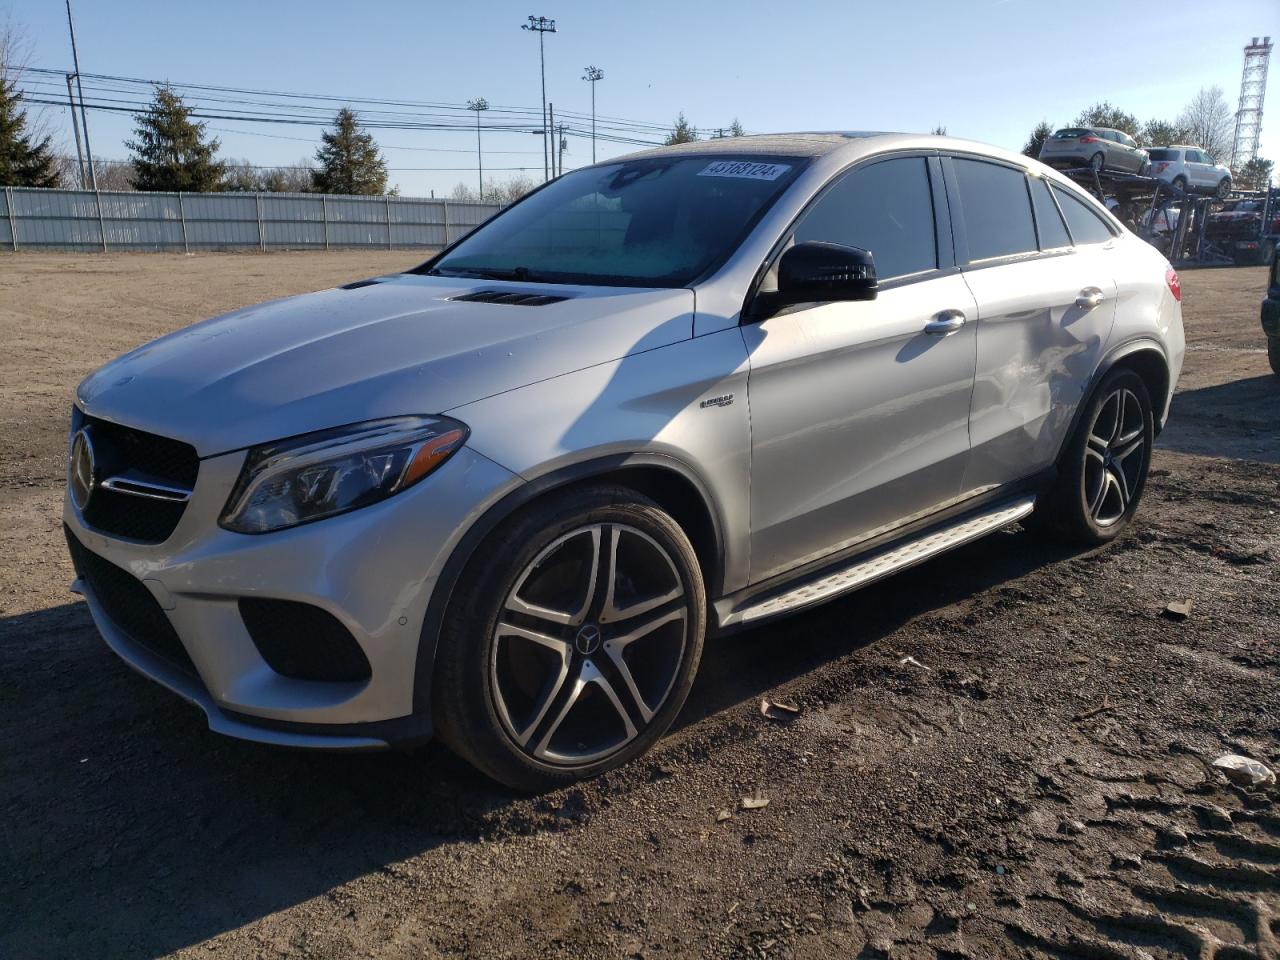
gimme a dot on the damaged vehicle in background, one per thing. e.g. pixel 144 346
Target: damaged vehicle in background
pixel 503 497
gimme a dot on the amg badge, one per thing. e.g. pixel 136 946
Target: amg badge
pixel 721 401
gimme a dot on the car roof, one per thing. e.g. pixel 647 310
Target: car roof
pixel 813 144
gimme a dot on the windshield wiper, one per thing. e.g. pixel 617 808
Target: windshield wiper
pixel 521 274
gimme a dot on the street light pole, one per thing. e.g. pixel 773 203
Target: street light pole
pixel 479 104
pixel 592 75
pixel 84 118
pixel 540 26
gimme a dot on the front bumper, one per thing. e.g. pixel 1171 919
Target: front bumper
pixel 373 569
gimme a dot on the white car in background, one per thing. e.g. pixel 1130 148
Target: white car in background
pixel 1190 169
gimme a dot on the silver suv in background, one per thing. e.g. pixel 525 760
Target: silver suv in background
pixel 1190 169
pixel 1098 147
pixel 503 497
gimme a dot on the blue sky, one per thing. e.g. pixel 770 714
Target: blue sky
pixel 986 69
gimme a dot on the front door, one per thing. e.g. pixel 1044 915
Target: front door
pixel 858 416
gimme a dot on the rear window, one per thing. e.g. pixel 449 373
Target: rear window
pixel 1164 154
pixel 1070 133
pixel 1052 233
pixel 997 210
pixel 1085 225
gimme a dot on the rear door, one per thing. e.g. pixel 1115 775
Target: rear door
pixel 859 419
pixel 1045 307
pixel 1198 173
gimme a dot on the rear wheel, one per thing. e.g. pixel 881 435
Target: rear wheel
pixel 1103 469
pixel 572 641
pixel 1180 183
pixel 1273 354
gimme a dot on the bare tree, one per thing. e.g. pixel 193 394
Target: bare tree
pixel 503 193
pixel 1209 123
pixel 113 174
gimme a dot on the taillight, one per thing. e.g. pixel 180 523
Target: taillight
pixel 1088 139
pixel 1175 285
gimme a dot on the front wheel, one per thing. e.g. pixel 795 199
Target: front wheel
pixel 1103 468
pixel 1223 190
pixel 1097 162
pixel 572 640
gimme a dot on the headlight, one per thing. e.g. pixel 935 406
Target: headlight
pixel 322 474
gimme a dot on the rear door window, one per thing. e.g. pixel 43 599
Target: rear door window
pixel 1053 233
pixel 1086 226
pixel 997 209
pixel 886 208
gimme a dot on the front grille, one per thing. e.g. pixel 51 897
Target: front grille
pixel 130 605
pixel 123 450
pixel 304 642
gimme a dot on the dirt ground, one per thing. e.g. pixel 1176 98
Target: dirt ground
pixel 1031 783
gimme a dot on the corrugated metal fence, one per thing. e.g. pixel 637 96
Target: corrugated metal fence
pixel 84 220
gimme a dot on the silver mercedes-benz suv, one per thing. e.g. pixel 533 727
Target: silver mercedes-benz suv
pixel 503 497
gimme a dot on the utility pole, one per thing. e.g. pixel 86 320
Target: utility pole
pixel 84 119
pixel 479 104
pixel 564 143
pixel 75 125
pixel 591 75
pixel 552 128
pixel 540 26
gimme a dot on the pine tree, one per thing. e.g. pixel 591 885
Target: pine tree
pixel 349 160
pixel 1035 142
pixel 735 129
pixel 22 163
pixel 170 152
pixel 681 132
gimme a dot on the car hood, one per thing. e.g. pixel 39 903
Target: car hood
pixel 402 345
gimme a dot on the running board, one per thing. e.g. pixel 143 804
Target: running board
pixel 864 570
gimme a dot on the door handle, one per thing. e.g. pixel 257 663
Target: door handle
pixel 945 323
pixel 1089 298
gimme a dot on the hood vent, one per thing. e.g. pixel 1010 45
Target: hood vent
pixel 508 297
pixel 357 284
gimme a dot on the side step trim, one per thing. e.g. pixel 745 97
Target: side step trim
pixel 865 570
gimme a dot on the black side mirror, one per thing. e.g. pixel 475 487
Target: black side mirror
pixel 820 272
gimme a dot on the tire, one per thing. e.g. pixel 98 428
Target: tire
pixel 1181 183
pixel 1103 468
pixel 1223 189
pixel 1098 162
pixel 554 662
pixel 1273 354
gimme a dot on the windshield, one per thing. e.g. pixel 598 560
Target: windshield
pixel 658 222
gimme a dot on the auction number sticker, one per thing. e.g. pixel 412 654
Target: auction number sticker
pixel 745 170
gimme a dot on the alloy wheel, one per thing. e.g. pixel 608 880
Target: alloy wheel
pixel 1114 456
pixel 588 644
pixel 1097 162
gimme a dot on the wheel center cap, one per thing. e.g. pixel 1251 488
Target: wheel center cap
pixel 587 641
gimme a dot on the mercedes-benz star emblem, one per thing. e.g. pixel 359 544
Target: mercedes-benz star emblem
pixel 82 469
pixel 588 639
